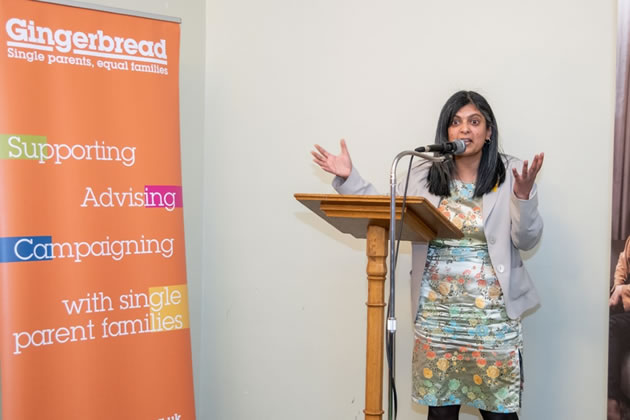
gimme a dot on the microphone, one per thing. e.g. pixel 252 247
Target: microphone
pixel 454 147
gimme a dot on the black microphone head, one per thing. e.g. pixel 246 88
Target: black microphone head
pixel 454 147
pixel 459 147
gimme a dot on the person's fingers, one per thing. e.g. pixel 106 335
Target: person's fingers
pixel 321 161
pixel 541 158
pixel 321 150
pixel 516 175
pixel 344 147
pixel 324 166
pixel 524 171
pixel 533 170
pixel 614 299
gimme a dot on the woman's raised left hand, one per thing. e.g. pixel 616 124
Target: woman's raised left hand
pixel 524 181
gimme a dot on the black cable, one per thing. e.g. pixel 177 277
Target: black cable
pixel 389 363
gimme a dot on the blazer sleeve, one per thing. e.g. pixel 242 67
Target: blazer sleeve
pixel 354 184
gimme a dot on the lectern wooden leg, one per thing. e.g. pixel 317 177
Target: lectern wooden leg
pixel 376 272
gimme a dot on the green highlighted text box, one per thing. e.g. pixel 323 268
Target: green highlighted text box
pixel 21 146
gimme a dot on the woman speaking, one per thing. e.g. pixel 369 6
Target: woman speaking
pixel 470 293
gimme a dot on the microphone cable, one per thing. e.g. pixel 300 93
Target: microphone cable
pixel 394 260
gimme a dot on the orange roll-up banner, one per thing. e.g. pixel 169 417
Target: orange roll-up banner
pixel 94 317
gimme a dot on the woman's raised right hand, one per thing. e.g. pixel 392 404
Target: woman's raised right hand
pixel 340 165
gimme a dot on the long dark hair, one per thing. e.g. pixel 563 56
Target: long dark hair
pixel 491 170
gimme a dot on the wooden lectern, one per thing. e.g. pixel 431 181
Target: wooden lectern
pixel 367 216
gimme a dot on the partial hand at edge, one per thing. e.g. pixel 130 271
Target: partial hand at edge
pixel 615 297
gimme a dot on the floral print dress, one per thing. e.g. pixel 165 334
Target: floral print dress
pixel 467 350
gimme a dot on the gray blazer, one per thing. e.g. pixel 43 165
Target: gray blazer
pixel 510 225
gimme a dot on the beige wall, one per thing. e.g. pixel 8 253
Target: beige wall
pixel 284 293
pixel 277 296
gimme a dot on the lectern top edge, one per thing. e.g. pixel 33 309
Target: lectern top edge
pixel 362 198
pixel 353 213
